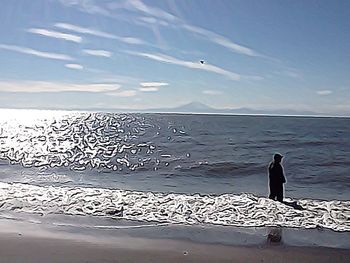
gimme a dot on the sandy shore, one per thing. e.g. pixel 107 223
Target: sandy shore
pixel 22 241
pixel 19 248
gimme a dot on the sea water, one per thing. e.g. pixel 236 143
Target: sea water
pixel 172 168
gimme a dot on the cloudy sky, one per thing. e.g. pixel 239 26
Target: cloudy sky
pixel 147 54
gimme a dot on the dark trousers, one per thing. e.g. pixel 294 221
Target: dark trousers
pixel 276 191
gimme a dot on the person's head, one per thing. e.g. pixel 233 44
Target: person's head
pixel 277 157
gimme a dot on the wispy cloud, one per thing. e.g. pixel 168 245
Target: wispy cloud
pixel 112 77
pixel 36 53
pixel 212 92
pixel 152 20
pixel 324 92
pixel 159 16
pixel 85 30
pixel 153 84
pixel 293 74
pixel 189 64
pixel 252 77
pixel 86 6
pixel 132 40
pixel 97 53
pixel 153 11
pixel 290 72
pixel 220 40
pixel 55 34
pixel 99 33
pixel 123 93
pixel 149 89
pixel 74 66
pixel 44 86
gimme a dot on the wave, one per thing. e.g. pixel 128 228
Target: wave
pixel 245 210
pixel 222 169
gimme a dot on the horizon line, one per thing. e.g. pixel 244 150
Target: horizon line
pixel 111 110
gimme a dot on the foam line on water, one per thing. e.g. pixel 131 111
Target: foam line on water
pixel 111 226
pixel 245 210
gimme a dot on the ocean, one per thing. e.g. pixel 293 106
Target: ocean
pixel 175 168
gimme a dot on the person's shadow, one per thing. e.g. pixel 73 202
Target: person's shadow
pixel 294 204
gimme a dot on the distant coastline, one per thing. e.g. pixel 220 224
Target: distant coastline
pixel 195 108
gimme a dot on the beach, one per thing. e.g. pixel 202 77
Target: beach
pixel 103 187
pixel 174 131
pixel 46 240
pixel 34 249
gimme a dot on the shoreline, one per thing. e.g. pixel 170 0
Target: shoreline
pixel 38 249
pixel 106 228
pixel 36 238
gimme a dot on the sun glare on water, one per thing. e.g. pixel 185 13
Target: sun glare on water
pixel 30 117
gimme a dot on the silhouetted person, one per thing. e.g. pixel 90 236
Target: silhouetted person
pixel 276 178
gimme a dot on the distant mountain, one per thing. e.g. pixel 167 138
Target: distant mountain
pixel 272 112
pixel 198 107
pixel 193 107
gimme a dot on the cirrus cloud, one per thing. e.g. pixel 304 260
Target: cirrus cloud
pixel 74 66
pixel 55 34
pixel 46 86
pixel 85 30
pixel 149 89
pixel 99 33
pixel 211 92
pixel 86 6
pixel 159 16
pixel 97 53
pixel 153 84
pixel 189 64
pixel 324 92
pixel 123 93
pixel 36 53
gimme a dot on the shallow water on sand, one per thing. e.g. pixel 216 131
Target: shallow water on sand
pixel 227 209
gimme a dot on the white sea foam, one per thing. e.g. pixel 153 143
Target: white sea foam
pixel 227 209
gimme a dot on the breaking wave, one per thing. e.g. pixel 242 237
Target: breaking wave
pixel 228 209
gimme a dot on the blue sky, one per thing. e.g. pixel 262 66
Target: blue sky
pixel 146 54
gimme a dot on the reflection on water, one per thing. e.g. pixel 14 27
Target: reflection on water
pixel 188 153
pixel 175 153
pixel 77 140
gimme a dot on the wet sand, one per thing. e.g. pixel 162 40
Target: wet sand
pixel 21 241
pixel 20 248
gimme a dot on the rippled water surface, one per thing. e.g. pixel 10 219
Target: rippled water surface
pixel 182 154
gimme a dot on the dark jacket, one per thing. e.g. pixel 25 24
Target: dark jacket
pixel 276 175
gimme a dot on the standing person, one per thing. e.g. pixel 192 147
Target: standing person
pixel 276 178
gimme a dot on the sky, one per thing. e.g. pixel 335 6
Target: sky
pixel 138 54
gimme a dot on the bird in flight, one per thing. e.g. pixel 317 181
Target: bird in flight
pixel 201 61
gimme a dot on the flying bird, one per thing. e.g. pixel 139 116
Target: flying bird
pixel 201 61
